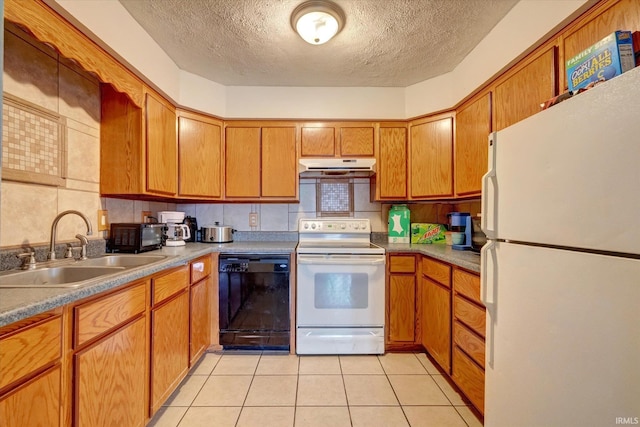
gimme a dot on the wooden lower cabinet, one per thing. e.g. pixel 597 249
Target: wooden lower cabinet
pixel 436 310
pixel 469 319
pixel 169 348
pixel 436 318
pixel 35 403
pixel 30 372
pixel 109 380
pixel 200 317
pixel 402 322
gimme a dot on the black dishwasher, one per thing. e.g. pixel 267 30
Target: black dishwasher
pixel 254 301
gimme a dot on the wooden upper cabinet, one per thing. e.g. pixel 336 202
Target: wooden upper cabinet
pixel 242 160
pixel 473 124
pixel 318 142
pixel 121 149
pixel 200 156
pixel 356 142
pixel 391 174
pixel 279 162
pixel 162 147
pixel 138 147
pixel 338 139
pixel 431 155
pixel 520 95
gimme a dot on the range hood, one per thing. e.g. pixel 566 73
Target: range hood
pixel 339 168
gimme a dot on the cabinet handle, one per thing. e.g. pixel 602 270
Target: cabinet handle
pixel 490 201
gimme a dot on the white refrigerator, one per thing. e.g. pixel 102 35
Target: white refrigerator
pixel 560 272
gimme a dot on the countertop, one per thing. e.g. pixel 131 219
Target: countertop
pixel 20 303
pixel 465 259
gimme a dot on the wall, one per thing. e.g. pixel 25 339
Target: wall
pixel 34 73
pixel 283 216
pixel 524 25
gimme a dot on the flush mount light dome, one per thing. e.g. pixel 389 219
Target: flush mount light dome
pixel 317 21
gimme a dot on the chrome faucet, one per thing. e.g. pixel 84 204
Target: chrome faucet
pixel 54 228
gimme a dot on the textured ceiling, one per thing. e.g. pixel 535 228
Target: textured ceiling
pixel 384 43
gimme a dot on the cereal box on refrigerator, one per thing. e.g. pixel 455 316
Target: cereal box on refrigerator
pixel 611 56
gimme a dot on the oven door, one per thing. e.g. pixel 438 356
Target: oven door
pixel 340 290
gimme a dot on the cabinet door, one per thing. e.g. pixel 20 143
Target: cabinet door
pixel 200 319
pixel 436 322
pixel 392 163
pixel 318 142
pixel 109 379
pixel 279 162
pixel 35 403
pixel 431 159
pixel 520 96
pixel 356 142
pixel 473 124
pixel 162 149
pixel 169 348
pixel 121 145
pixel 402 308
pixel 200 147
pixel 242 159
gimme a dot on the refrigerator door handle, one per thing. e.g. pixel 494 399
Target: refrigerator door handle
pixel 487 294
pixel 490 193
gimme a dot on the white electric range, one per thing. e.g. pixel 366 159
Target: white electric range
pixel 340 297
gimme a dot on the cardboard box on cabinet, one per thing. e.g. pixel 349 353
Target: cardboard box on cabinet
pixel 610 57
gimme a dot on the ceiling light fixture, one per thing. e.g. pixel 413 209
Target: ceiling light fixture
pixel 317 21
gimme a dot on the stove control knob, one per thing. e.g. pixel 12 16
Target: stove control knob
pixel 343 226
pixel 306 226
pixel 356 226
pixel 363 225
pixel 313 225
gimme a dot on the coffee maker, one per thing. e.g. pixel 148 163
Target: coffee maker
pixel 461 222
pixel 175 231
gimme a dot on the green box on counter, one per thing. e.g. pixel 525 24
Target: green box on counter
pixel 423 233
pixel 611 56
pixel 399 224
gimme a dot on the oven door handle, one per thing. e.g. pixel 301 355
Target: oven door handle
pixel 341 260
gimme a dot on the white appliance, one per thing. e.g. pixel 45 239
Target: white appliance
pixel 323 167
pixel 340 291
pixel 175 231
pixel 561 270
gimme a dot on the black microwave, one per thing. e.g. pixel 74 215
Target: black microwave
pixel 135 237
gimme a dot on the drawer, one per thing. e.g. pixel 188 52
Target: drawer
pixel 402 264
pixel 467 284
pixel 170 284
pixel 471 343
pixel 99 316
pixel 470 314
pixel 437 271
pixel 469 377
pixel 200 269
pixel 27 350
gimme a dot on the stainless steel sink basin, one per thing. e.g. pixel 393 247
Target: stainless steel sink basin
pixel 75 274
pixel 119 260
pixel 68 276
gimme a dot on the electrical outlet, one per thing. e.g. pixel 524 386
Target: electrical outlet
pixel 103 220
pixel 144 216
pixel 253 219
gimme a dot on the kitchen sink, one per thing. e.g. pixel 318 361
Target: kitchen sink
pixel 68 276
pixel 126 261
pixel 75 274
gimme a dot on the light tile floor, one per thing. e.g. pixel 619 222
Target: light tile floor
pixel 265 390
